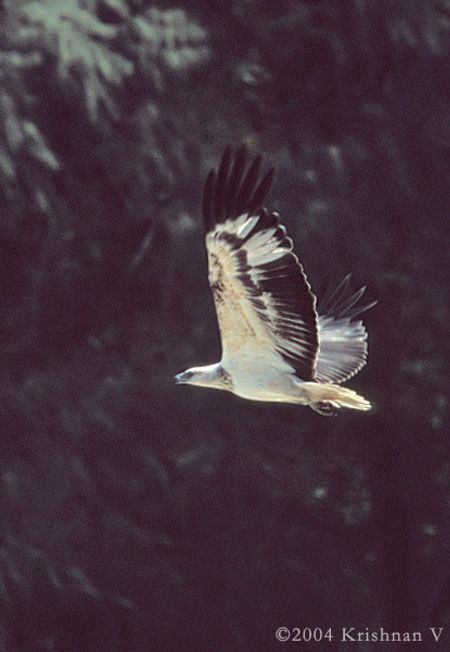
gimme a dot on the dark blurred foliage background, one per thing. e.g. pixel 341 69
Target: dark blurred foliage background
pixel 140 516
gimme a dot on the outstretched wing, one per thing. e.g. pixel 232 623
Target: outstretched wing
pixel 342 341
pixel 265 307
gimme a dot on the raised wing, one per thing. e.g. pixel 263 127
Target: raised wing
pixel 342 341
pixel 265 307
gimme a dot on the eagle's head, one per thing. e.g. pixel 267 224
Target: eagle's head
pixel 212 375
pixel 185 377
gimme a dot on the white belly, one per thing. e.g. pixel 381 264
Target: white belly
pixel 260 381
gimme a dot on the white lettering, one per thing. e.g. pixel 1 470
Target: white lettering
pixel 436 631
pixel 347 634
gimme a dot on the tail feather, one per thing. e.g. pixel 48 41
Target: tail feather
pixel 324 396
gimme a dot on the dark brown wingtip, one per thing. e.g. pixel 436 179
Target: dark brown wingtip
pixel 333 297
pixel 221 184
pixel 227 153
pixel 248 185
pixel 208 197
pixel 344 304
pixel 262 191
pixel 235 189
pixel 236 175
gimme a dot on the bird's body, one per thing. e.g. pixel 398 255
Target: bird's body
pixel 276 345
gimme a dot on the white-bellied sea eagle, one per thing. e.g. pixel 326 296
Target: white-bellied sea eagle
pixel 276 344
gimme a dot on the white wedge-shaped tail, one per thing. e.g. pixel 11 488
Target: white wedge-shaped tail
pixel 333 395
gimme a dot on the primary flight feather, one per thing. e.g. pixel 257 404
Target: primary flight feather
pixel 277 344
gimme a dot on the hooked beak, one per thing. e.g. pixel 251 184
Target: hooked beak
pixel 179 379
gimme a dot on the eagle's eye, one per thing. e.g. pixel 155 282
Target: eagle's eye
pixel 183 377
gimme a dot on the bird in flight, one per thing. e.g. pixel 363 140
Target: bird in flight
pixel 277 343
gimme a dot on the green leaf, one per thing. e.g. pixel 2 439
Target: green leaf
pixel 81 44
pixel 36 145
